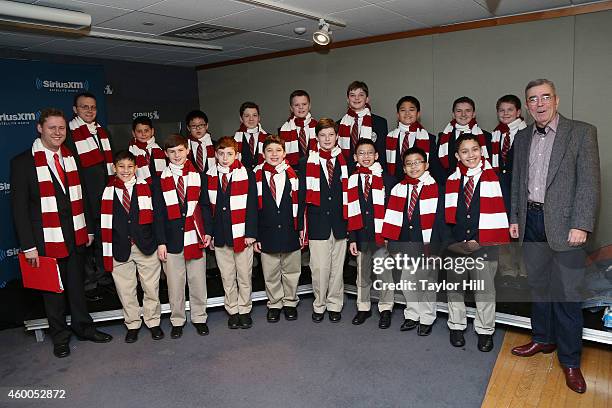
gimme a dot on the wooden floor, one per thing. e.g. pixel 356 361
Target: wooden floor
pixel 538 381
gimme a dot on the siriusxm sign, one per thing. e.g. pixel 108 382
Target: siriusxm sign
pixel 61 86
pixel 151 115
pixel 18 118
pixel 7 253
pixel 5 188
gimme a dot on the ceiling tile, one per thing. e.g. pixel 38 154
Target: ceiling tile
pixel 254 19
pixel 288 44
pixel 126 4
pixel 197 9
pixel 250 38
pixel 134 22
pixel 16 40
pixel 98 13
pixel 127 51
pixel 506 7
pixel 365 15
pixel 441 12
pixel 391 26
pixel 347 34
pixel 324 6
pixel 287 29
pixel 80 46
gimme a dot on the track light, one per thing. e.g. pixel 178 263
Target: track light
pixel 13 12
pixel 322 36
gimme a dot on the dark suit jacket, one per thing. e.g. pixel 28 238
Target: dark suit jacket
pixel 379 126
pixel 433 161
pixel 573 183
pixel 247 158
pixel 127 229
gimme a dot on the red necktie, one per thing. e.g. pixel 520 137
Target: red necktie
pixel 469 191
pixel 273 186
pixel 59 169
pixel 330 171
pixel 252 144
pixel 413 200
pixel 180 188
pixel 355 133
pixel 200 157
pixel 224 182
pixel 405 143
pixel 147 156
pixel 367 186
pixel 126 199
pixel 505 147
pixel 302 140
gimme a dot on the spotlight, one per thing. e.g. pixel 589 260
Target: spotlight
pixel 322 36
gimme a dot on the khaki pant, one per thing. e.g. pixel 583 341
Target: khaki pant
pixel 364 280
pixel 193 272
pixel 484 323
pixel 420 302
pixel 510 261
pixel 236 273
pixel 326 264
pixel 282 272
pixel 145 268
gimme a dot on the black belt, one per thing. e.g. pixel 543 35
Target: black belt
pixel 532 205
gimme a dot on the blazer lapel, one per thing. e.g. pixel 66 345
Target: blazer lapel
pixel 525 154
pixel 559 148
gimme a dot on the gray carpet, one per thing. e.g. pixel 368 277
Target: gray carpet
pixel 287 364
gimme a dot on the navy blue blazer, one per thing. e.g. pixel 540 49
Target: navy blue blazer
pixel 379 126
pixel 247 158
pixel 127 229
pixel 439 172
pixel 172 232
pixel 399 165
pixel 327 217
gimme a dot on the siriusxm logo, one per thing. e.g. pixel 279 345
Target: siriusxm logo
pixel 7 253
pixel 20 118
pixel 5 188
pixel 151 115
pixel 61 86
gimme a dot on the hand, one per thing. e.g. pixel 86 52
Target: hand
pixel 212 243
pixel 249 241
pixel 353 248
pixel 514 231
pixel 257 247
pixel 576 237
pixel 301 239
pixel 206 241
pixel 32 258
pixel 90 240
pixel 162 253
pixel 472 246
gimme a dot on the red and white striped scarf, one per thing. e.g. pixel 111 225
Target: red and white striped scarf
pixel 206 143
pixel 377 192
pixel 313 176
pixel 194 228
pixel 238 200
pixel 86 146
pixel 393 141
pixel 293 180
pixel 156 153
pixel 449 131
pixel 55 245
pixel 493 221
pixel 346 124
pixel 289 133
pixel 497 139
pixel 239 136
pixel 145 212
pixel 396 208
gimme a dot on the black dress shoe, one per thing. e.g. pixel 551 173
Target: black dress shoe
pixel 409 324
pixel 131 336
pixel 456 338
pixel 201 328
pixel 233 322
pixel 485 342
pixel 335 316
pixel 317 317
pixel 273 315
pixel 385 319
pixel 96 337
pixel 245 321
pixel 361 317
pixel 424 329
pixel 176 332
pixel 61 350
pixel 157 333
pixel 290 312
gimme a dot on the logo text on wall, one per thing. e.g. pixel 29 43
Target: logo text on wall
pixel 151 115
pixel 5 188
pixel 7 253
pixel 61 86
pixel 18 118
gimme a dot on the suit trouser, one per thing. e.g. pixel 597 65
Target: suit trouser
pixel 420 302
pixel 484 322
pixel 71 271
pixel 236 274
pixel 126 275
pixel 193 272
pixel 364 279
pixel 281 273
pixel 555 279
pixel 95 275
pixel 326 264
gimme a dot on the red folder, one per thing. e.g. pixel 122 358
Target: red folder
pixel 45 277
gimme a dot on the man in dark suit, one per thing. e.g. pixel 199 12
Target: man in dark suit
pixel 555 197
pixel 49 167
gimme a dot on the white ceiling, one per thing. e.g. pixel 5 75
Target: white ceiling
pixel 266 30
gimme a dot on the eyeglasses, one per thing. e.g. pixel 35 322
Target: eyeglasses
pixel 545 99
pixel 198 127
pixel 361 154
pixel 88 107
pixel 414 163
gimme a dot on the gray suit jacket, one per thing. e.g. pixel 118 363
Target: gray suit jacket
pixel 573 183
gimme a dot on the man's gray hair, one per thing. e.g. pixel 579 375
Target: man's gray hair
pixel 538 82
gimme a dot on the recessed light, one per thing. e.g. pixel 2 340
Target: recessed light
pixel 299 30
pixel 148 23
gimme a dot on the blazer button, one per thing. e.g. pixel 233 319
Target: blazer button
pixel 410 227
pixel 367 213
pixel 129 221
pixel 468 231
pixel 326 212
pixel 224 208
pixel 468 216
pixel 504 171
pixel 329 198
pixel 181 228
pixel 278 212
pixel 184 214
pixel 280 226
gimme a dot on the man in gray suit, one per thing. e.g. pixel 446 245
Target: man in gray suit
pixel 555 197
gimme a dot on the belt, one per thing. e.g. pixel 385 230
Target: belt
pixel 532 205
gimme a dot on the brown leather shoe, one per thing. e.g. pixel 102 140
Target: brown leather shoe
pixel 531 348
pixel 574 379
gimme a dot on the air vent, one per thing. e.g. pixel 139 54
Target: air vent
pixel 203 32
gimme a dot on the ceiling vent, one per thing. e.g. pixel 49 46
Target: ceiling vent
pixel 203 32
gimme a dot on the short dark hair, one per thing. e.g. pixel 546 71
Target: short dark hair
pixel 175 140
pixel 273 139
pixel 364 141
pixel 248 105
pixel 194 114
pixel 513 99
pixel 298 92
pixel 413 100
pixel 464 137
pixel 142 120
pixel 325 123
pixel 83 95
pixel 538 82
pixel 464 99
pixel 357 85
pixel 225 142
pixel 413 150
pixel 48 112
pixel 124 155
